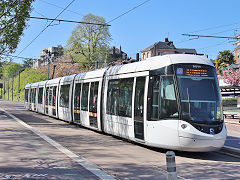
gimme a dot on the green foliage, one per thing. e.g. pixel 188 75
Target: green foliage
pixel 27 76
pixel 27 63
pixel 2 65
pixel 229 99
pixel 229 102
pixel 13 16
pixel 224 59
pixel 1 69
pixel 12 70
pixel 89 43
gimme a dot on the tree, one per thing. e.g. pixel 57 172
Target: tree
pixel 224 59
pixel 231 76
pixel 27 63
pixel 63 67
pixel 13 16
pixel 29 75
pixel 12 70
pixel 89 43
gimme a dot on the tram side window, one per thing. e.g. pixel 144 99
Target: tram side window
pixel 84 100
pixel 139 98
pixel 46 97
pixel 112 97
pixel 168 104
pixel 64 96
pixel 30 95
pixel 162 100
pixel 40 95
pixel 119 100
pixel 54 95
pixel 50 91
pixel 26 95
pixel 33 95
pixel 155 97
pixel 93 97
pixel 77 96
pixel 125 97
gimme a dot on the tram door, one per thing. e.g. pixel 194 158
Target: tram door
pixel 46 100
pixel 52 101
pixel 34 99
pixel 77 102
pixel 93 104
pixel 50 94
pixel 30 100
pixel 139 108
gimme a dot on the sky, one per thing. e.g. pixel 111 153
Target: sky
pixel 143 26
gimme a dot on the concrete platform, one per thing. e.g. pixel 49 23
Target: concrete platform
pixel 232 144
pixel 27 153
pixel 122 159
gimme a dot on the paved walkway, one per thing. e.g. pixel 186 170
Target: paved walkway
pixel 119 158
pixel 26 153
pixel 233 126
pixel 231 110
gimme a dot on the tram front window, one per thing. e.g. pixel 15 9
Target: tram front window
pixel 199 94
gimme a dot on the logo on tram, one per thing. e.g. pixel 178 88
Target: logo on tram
pixel 212 131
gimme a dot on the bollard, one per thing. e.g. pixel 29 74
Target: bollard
pixel 171 166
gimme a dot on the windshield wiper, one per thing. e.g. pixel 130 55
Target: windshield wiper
pixel 189 105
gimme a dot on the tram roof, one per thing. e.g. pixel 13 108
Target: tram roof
pixel 68 78
pixel 42 83
pixel 54 81
pixel 34 85
pixel 92 74
pixel 157 62
pixel 28 85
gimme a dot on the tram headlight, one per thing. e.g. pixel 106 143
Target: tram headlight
pixel 183 126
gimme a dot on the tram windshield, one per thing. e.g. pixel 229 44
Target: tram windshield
pixel 199 93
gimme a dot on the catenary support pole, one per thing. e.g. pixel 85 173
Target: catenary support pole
pixel 18 86
pixel 4 90
pixel 48 68
pixel 8 89
pixel 171 166
pixel 12 88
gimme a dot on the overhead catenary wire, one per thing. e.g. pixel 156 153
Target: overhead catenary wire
pixel 209 36
pixel 39 13
pixel 214 27
pixel 74 12
pixel 8 55
pixel 128 11
pixel 52 20
pixel 70 21
pixel 210 28
pixel 213 45
pixel 196 36
pixel 45 28
pixel 61 7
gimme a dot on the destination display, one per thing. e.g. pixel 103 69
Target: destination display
pixel 194 70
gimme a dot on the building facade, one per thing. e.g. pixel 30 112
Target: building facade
pixel 163 48
pixel 237 54
pixel 50 53
pixel 116 54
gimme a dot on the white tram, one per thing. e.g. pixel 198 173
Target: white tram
pixel 170 101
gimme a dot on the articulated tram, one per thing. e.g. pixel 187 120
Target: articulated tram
pixel 170 101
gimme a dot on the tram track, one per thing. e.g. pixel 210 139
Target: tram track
pixel 229 153
pixel 125 160
pixel 235 123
